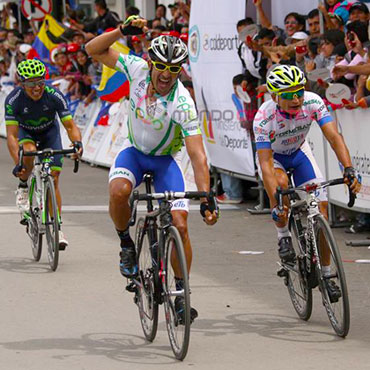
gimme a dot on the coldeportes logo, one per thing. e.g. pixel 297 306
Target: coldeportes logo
pixel 219 43
pixel 194 43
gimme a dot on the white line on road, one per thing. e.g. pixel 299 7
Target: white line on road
pixel 86 209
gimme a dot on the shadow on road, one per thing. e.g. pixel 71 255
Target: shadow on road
pixel 266 325
pixel 24 265
pixel 115 346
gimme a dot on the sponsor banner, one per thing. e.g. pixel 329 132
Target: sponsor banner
pixel 317 142
pixel 116 136
pixel 353 125
pixel 213 46
pixel 2 114
pixel 84 114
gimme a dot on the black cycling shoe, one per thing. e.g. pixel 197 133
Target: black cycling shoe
pixel 179 308
pixel 333 290
pixel 286 250
pixel 127 265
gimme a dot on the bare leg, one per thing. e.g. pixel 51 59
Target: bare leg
pixel 119 209
pixel 180 221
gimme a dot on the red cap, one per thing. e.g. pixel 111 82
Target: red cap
pixel 135 39
pixel 73 47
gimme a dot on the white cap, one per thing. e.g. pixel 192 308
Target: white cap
pixel 25 48
pixel 296 36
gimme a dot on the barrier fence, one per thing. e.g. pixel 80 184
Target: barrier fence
pixel 104 130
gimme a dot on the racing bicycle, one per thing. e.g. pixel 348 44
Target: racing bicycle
pixel 158 249
pixel 313 240
pixel 43 215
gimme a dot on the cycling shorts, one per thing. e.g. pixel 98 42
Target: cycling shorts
pixel 306 170
pixel 132 164
pixel 49 139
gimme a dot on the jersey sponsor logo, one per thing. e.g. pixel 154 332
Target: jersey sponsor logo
pixel 39 122
pixel 9 109
pixel 25 110
pixel 267 120
pixel 293 140
pixel 272 135
pixel 120 172
pixel 293 131
pixel 179 204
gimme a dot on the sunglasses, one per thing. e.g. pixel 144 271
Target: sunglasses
pixel 159 66
pixel 290 95
pixel 291 22
pixel 32 84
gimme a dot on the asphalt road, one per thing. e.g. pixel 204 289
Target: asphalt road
pixel 80 317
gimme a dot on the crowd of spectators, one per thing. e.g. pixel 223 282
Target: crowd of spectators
pixel 340 45
pixel 69 67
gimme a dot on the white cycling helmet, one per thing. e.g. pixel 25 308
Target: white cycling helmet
pixel 284 76
pixel 168 49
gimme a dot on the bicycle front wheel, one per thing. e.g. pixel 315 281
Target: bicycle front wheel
pixel 334 297
pixel 51 220
pixel 299 290
pixel 148 307
pixel 34 220
pixel 178 324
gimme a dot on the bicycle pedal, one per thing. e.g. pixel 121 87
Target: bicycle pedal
pixel 282 272
pixel 23 222
pixel 131 287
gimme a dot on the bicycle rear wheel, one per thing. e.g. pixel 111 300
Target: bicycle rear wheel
pixel 148 307
pixel 337 308
pixel 178 328
pixel 34 221
pixel 297 284
pixel 51 220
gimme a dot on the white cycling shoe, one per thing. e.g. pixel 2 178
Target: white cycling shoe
pixel 22 201
pixel 63 243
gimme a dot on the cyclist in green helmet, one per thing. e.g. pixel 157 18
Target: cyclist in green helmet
pixel 30 118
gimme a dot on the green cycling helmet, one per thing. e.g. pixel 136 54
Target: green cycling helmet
pixel 30 68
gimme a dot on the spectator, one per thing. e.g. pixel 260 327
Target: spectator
pixel 78 38
pixel 6 80
pixel 85 76
pixel 105 19
pixel 340 8
pixel 355 38
pixel 337 22
pixel 132 10
pixel 138 48
pixel 8 21
pixel 293 21
pixel 62 62
pixel 160 13
pixel 313 21
pixel 359 12
pixel 331 39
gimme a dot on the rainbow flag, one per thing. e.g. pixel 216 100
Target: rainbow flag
pixel 114 85
pixel 42 45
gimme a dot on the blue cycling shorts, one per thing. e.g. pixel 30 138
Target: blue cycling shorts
pixel 305 168
pixel 132 164
pixel 49 139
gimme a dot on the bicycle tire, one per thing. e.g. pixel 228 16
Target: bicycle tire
pixel 34 221
pixel 147 305
pixel 51 223
pixel 298 287
pixel 178 332
pixel 338 312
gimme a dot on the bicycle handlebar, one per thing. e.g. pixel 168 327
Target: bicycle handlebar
pixel 48 152
pixel 310 188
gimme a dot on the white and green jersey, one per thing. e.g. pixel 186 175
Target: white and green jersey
pixel 158 128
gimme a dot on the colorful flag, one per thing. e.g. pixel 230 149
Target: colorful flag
pixel 42 45
pixel 114 85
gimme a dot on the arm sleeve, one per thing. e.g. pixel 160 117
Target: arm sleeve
pixel 130 65
pixel 319 111
pixel 61 106
pixel 10 112
pixel 261 131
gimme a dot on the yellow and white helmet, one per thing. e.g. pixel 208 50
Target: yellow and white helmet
pixel 284 76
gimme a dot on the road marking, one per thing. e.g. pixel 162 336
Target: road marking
pixel 87 209
pixel 251 253
pixel 357 261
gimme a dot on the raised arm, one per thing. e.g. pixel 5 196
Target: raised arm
pixel 264 21
pixel 99 47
